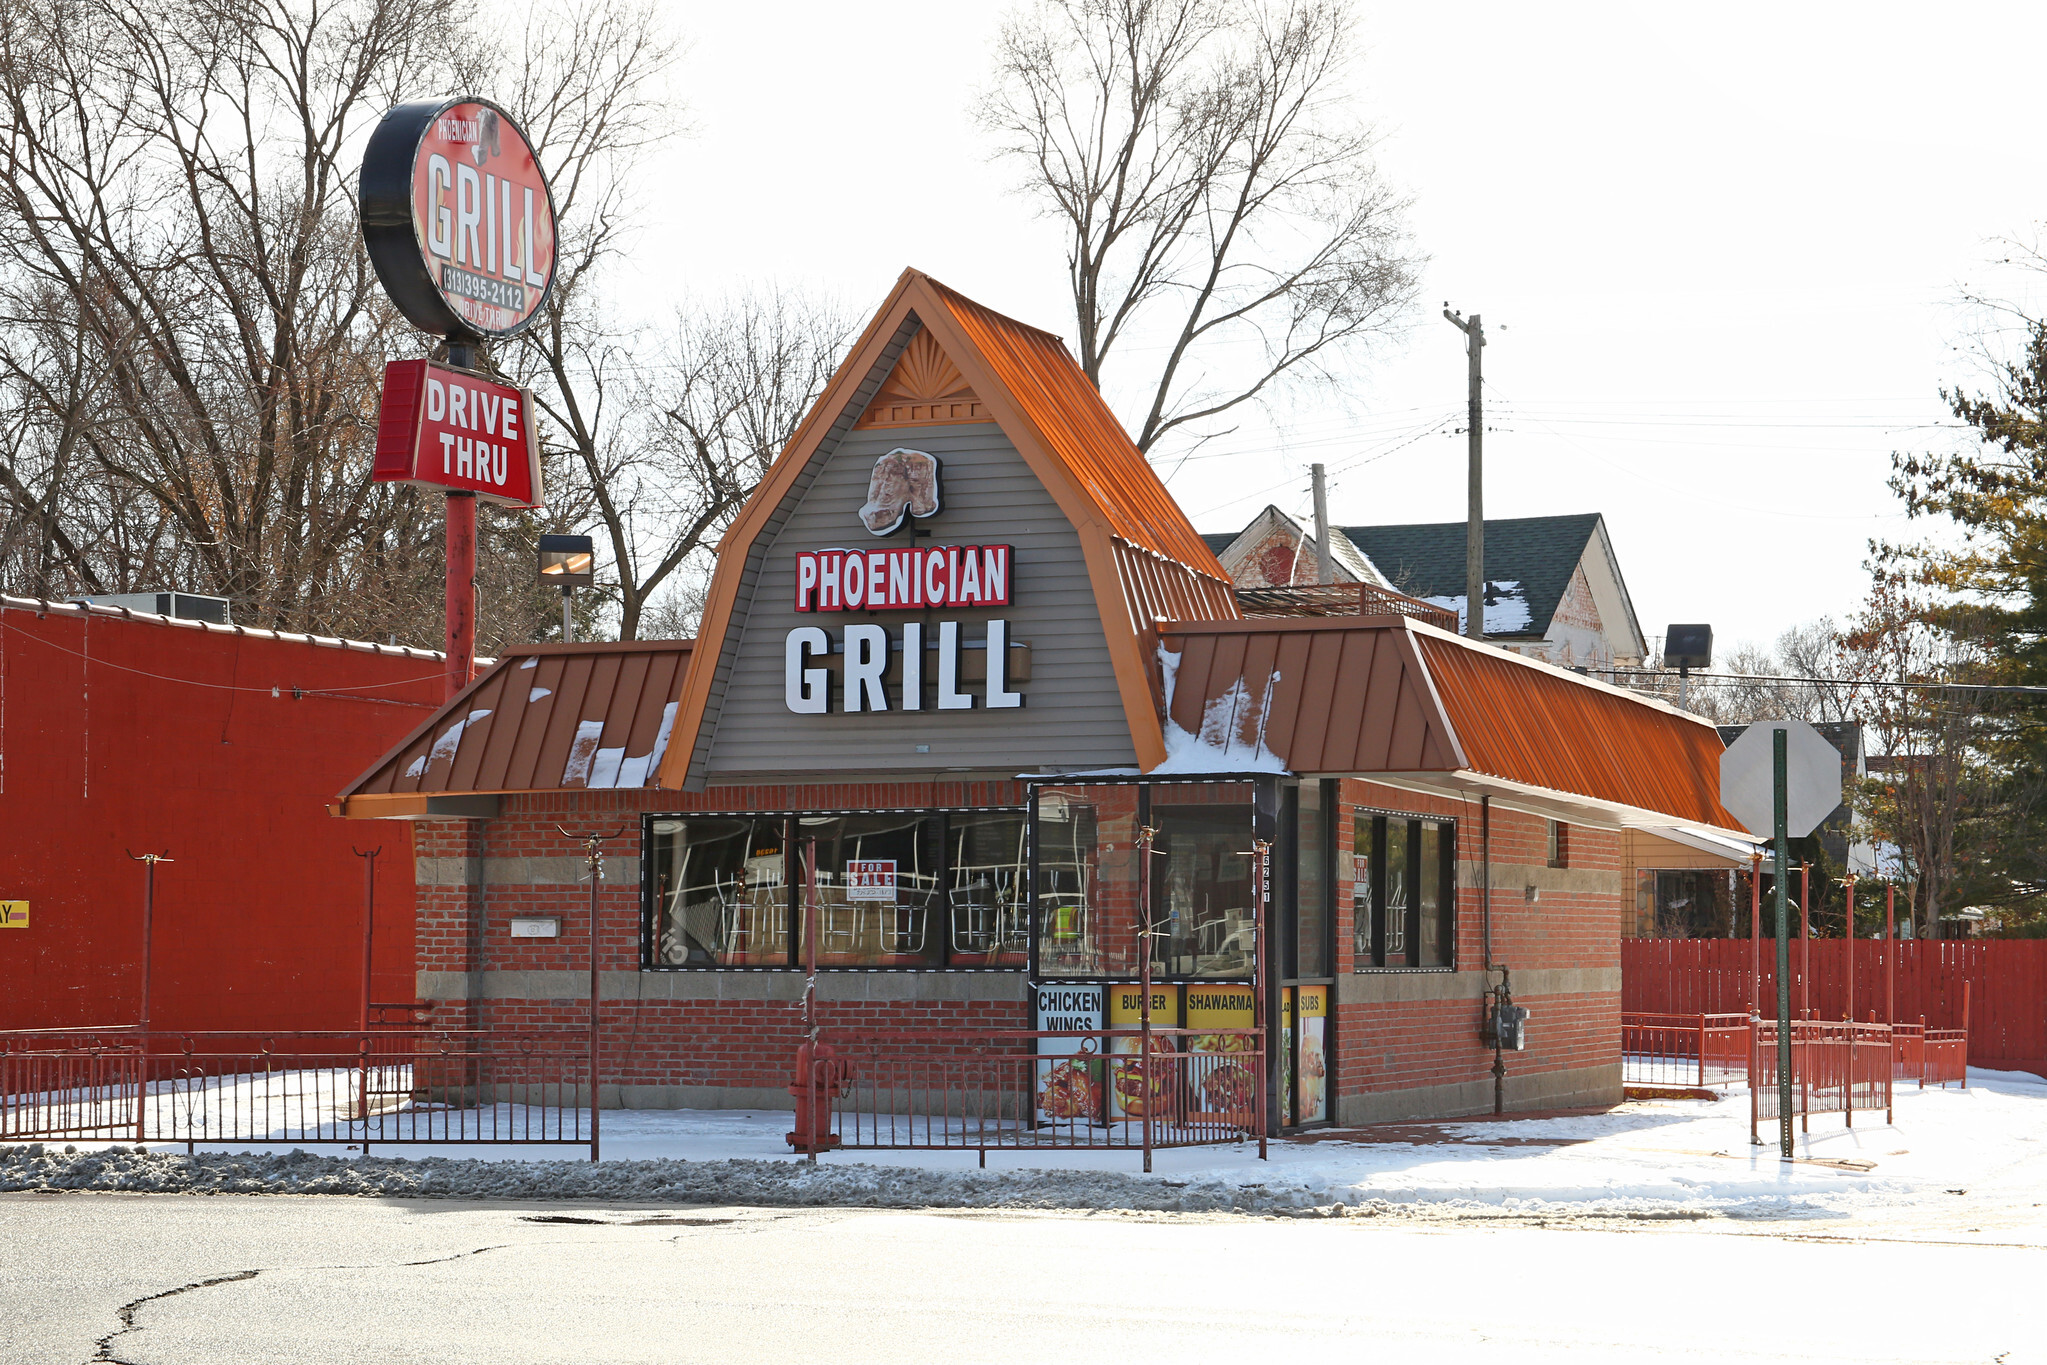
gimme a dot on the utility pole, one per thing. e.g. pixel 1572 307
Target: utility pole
pixel 1474 534
pixel 1325 558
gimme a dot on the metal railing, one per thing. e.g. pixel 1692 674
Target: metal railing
pixel 1684 1051
pixel 1946 1057
pixel 305 1087
pixel 1003 1089
pixel 1341 599
pixel 1836 1068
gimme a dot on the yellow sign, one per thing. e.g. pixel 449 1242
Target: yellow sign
pixel 13 914
pixel 1133 1087
pixel 1226 1088
pixel 1311 1104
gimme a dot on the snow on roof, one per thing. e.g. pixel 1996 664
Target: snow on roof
pixel 1506 610
pixel 42 606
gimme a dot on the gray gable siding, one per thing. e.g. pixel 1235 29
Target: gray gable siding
pixel 1072 714
pixel 727 649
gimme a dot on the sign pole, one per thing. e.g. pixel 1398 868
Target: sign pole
pixel 1144 1064
pixel 461 588
pixel 1779 764
pixel 461 642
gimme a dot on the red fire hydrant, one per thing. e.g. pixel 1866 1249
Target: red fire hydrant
pixel 819 1078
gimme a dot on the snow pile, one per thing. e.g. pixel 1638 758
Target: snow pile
pixel 1216 749
pixel 594 767
pixel 1666 1158
pixel 444 747
pixel 833 1184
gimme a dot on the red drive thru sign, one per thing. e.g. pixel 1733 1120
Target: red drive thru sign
pixel 457 431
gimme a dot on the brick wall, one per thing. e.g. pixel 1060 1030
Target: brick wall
pixel 1405 1042
pixel 1408 1042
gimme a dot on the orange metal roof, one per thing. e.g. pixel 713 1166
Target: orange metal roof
pixel 1143 556
pixel 1534 723
pixel 544 718
pixel 1387 695
pixel 1055 396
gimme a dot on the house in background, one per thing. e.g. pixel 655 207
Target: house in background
pixel 1554 586
pixel 1275 551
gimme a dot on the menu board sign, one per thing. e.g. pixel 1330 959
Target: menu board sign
pixel 871 879
pixel 1311 1103
pixel 1136 1090
pixel 1223 1090
pixel 1069 1087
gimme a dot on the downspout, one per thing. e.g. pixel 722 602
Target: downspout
pixel 1485 894
pixel 1500 998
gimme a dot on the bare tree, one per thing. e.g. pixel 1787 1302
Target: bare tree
pixel 1212 185
pixel 187 317
pixel 670 435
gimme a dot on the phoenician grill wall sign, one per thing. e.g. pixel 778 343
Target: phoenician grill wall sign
pixel 875 667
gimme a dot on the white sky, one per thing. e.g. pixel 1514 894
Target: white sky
pixel 1719 254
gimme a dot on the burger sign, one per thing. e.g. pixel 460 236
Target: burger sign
pixel 457 218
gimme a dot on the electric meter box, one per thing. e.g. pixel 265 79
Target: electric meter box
pixel 1510 1026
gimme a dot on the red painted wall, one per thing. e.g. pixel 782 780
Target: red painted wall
pixel 119 734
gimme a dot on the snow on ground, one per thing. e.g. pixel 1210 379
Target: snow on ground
pixel 1674 1156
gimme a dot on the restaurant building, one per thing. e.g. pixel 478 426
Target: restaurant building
pixel 962 647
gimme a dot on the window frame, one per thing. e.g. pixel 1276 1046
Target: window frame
pixel 1267 821
pixel 649 936
pixel 1446 853
pixel 1559 840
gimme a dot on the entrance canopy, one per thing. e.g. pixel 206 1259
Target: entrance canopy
pixel 1405 703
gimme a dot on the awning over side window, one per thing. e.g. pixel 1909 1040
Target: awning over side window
pixel 1393 699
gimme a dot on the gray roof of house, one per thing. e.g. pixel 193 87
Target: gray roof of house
pixel 1427 560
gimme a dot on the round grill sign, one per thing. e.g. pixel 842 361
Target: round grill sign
pixel 458 218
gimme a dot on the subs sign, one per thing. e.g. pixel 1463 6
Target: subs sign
pixel 458 218
pixel 458 431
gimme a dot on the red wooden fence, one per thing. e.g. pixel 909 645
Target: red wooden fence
pixel 2008 985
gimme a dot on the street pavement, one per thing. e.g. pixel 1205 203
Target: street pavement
pixel 167 1280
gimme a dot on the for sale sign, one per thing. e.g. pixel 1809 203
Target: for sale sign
pixel 458 217
pixel 456 430
pixel 871 879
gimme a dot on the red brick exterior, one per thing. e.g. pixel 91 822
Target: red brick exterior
pixel 1382 1047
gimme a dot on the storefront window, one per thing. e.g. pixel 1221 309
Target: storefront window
pixel 1364 909
pixel 1684 903
pixel 1434 918
pixel 1393 952
pixel 877 889
pixel 721 892
pixel 1087 880
pixel 987 918
pixel 1203 879
pixel 1311 884
pixel 1405 895
pixel 1202 894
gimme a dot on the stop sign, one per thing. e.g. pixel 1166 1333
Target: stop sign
pixel 1812 786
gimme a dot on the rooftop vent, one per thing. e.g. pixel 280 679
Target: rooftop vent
pixel 190 605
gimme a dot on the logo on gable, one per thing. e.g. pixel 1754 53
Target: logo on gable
pixel 904 484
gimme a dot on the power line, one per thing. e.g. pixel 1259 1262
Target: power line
pixel 1829 682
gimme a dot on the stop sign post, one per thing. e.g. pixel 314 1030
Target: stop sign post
pixel 1780 776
